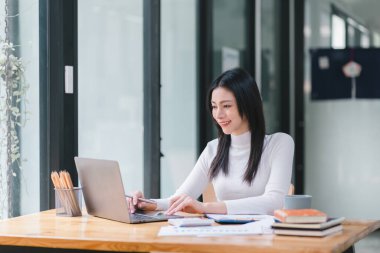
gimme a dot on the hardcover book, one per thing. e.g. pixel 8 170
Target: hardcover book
pixel 308 232
pixel 300 216
pixel 317 226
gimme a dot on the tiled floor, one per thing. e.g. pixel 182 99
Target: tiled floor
pixel 370 244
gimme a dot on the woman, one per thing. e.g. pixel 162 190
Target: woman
pixel 250 171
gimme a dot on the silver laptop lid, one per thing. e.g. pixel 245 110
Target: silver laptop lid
pixel 103 189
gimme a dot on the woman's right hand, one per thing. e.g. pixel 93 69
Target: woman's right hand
pixel 134 203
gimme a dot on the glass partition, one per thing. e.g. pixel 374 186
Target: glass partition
pixel 178 92
pixel 110 85
pixel 270 66
pixel 19 23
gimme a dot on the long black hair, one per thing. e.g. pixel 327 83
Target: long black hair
pixel 250 106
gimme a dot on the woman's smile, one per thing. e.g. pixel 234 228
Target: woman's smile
pixel 224 123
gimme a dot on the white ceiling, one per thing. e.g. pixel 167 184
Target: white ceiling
pixel 367 10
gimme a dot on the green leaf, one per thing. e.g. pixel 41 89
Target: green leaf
pixel 15 109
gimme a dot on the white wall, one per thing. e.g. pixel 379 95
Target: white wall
pixel 342 165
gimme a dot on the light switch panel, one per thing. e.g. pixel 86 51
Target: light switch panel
pixel 69 79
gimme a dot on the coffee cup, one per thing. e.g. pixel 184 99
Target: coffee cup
pixel 297 202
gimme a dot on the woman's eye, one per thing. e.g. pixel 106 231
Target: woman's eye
pixel 227 106
pixel 213 107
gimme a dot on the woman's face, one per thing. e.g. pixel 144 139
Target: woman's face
pixel 225 112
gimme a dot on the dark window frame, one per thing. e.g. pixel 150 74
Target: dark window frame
pixel 204 68
pixel 283 44
pixel 299 154
pixel 152 104
pixel 58 111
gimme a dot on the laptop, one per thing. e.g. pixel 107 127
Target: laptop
pixel 104 195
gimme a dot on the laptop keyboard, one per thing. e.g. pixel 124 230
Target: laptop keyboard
pixel 142 217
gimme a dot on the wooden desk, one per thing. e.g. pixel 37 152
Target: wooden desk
pixel 49 231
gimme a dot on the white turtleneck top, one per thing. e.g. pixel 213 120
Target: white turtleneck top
pixel 267 191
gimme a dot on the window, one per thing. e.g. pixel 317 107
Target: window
pixel 110 85
pixel 338 38
pixel 19 194
pixel 178 79
pixel 376 39
pixel 347 31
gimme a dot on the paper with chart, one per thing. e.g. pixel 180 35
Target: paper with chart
pixel 254 228
pixel 237 217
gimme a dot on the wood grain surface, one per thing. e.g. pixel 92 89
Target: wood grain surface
pixel 45 229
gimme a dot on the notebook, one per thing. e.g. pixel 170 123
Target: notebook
pixel 308 232
pixel 104 195
pixel 329 223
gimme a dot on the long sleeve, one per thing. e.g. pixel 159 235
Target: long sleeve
pixel 270 185
pixel 277 160
pixel 198 179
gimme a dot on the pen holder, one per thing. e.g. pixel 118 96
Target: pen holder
pixel 68 202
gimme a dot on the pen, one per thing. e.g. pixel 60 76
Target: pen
pixel 143 200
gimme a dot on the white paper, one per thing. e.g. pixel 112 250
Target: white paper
pixel 190 222
pixel 256 217
pixel 253 228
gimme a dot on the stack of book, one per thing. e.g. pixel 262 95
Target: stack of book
pixel 305 222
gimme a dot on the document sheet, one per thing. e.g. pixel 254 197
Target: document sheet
pixel 253 228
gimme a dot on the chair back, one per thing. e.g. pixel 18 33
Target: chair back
pixel 291 190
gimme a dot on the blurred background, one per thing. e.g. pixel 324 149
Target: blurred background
pixel 141 73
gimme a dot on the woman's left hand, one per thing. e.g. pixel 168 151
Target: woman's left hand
pixel 186 204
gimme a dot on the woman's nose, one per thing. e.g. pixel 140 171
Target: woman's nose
pixel 219 113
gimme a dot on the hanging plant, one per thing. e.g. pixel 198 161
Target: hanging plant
pixel 12 117
pixel 12 73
